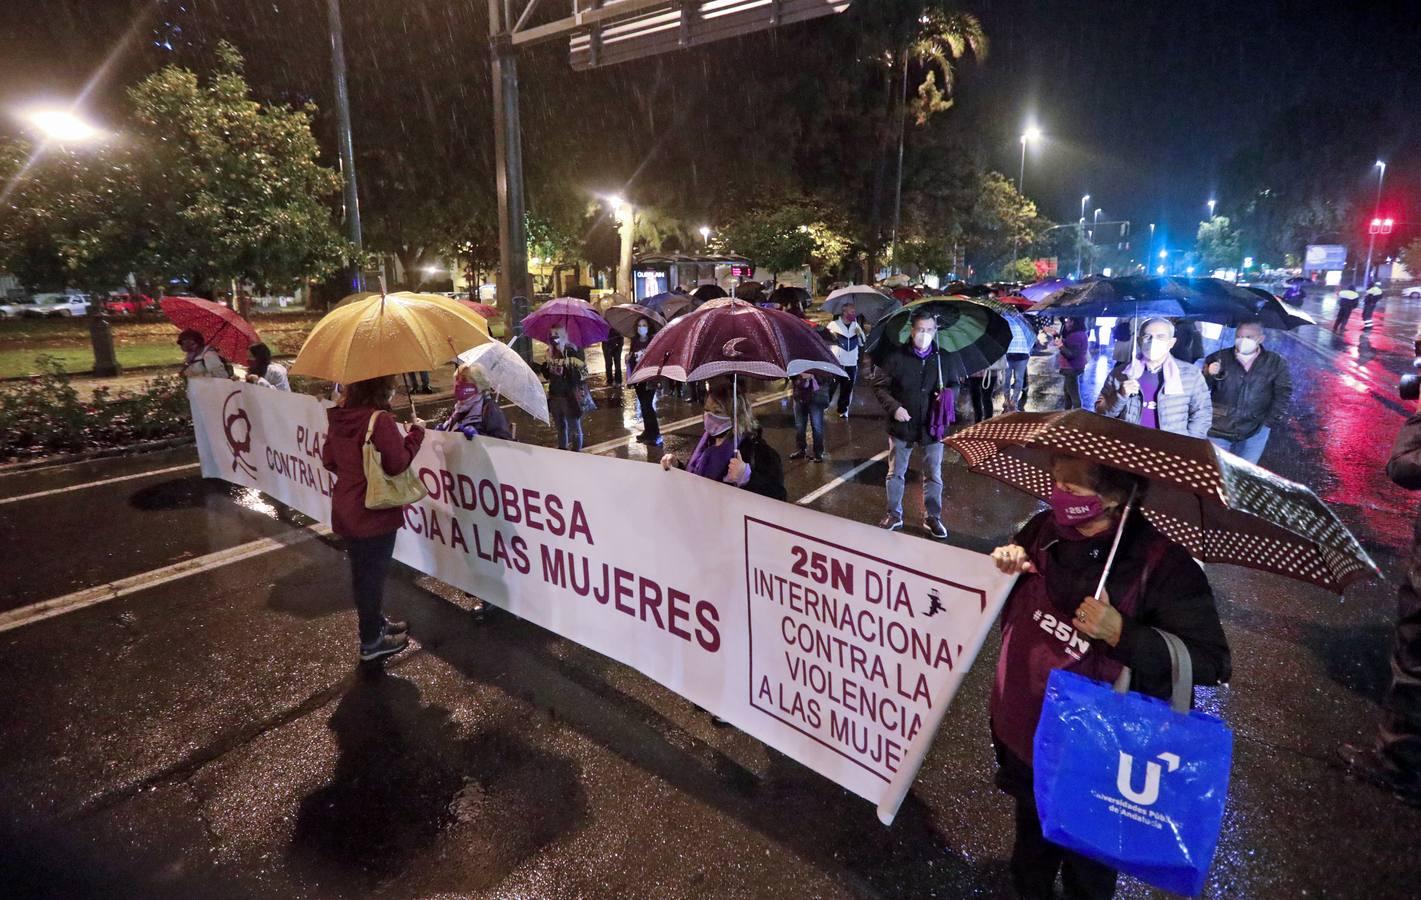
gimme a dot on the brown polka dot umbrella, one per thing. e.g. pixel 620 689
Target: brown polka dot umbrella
pixel 1219 507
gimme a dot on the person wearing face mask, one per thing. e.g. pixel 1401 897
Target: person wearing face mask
pixel 1251 387
pixel 1156 390
pixel 752 464
pixel 565 370
pixel 907 383
pixel 1051 620
pixel 847 334
pixel 369 533
pixel 646 390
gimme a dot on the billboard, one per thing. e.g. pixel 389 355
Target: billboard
pixel 1324 257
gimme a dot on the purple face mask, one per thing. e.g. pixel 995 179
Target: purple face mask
pixel 1073 509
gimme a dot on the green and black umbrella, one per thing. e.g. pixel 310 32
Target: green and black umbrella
pixel 971 336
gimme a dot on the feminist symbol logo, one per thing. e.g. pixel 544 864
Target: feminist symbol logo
pixel 729 348
pixel 237 426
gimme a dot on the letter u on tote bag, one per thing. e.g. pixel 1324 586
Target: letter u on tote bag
pixel 1128 781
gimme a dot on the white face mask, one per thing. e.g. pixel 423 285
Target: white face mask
pixel 641 330
pixel 1156 351
pixel 1246 346
pixel 923 339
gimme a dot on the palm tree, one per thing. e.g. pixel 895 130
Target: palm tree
pixel 942 38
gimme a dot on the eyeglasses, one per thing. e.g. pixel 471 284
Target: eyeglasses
pixel 1151 338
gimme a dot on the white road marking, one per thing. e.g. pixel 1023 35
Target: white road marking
pixel 91 484
pixel 829 486
pixel 58 606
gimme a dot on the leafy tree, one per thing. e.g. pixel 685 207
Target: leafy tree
pixel 1410 257
pixel 1217 245
pixel 207 185
pixel 776 238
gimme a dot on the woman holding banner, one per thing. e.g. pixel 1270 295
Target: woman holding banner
pixel 369 533
pixel 1051 620
pixel 751 463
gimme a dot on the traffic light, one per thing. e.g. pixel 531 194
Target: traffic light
pixel 1381 226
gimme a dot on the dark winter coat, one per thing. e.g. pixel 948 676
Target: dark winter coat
pixel 1245 400
pixel 903 381
pixel 343 454
pixel 1075 352
pixel 819 395
pixel 563 381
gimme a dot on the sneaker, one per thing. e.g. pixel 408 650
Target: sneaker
pixel 891 522
pixel 1366 764
pixel 396 628
pixel 1366 326
pixel 798 454
pixel 843 413
pixel 387 645
pixel 818 457
pixel 935 527
pixel 655 442
pixel 642 437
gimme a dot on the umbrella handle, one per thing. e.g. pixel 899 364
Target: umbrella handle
pixel 1115 544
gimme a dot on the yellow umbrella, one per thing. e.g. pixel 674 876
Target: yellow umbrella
pixel 368 337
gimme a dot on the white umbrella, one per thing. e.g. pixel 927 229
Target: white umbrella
pixel 511 377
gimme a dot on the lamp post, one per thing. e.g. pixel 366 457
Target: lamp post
pixel 66 127
pixel 347 145
pixel 1376 214
pixel 1080 235
pixel 705 237
pixel 1212 202
pixel 1150 249
pixel 625 218
pixel 1031 134
pixel 1094 227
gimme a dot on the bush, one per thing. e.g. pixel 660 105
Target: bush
pixel 45 414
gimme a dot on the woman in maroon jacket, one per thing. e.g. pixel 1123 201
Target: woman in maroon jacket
pixel 369 533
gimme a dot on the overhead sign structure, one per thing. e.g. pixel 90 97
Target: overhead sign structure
pixel 601 32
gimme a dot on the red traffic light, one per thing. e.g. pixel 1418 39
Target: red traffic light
pixel 1386 225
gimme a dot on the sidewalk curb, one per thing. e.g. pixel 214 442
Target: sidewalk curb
pixel 128 370
pixel 102 453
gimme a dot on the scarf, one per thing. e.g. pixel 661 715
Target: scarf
pixel 1173 384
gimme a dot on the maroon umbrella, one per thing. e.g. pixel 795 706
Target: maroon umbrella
pixel 728 336
pixel 221 328
pixel 625 316
pixel 583 324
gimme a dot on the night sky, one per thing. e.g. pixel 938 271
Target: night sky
pixel 1142 102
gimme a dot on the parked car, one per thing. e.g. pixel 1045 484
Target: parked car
pixel 15 307
pixel 129 304
pixel 1412 293
pixel 57 306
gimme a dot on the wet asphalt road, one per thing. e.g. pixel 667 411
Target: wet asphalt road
pixel 210 735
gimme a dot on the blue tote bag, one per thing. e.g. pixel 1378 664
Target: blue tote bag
pixel 1131 781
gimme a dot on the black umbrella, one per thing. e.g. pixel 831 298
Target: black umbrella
pixel 1274 313
pixel 1206 299
pixel 708 292
pixel 789 295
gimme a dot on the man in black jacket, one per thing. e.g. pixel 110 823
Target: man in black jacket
pixel 1251 387
pixel 907 383
pixel 1393 761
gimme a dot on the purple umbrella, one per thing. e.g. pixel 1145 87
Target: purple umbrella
pixel 1045 288
pixel 728 336
pixel 583 325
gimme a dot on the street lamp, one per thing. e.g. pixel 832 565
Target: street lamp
pixel 1211 207
pixel 625 218
pixel 1188 270
pixel 63 126
pixel 1094 227
pixel 1376 210
pixel 705 235
pixel 1032 133
pixel 1080 235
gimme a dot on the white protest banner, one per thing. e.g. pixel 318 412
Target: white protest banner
pixel 832 641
